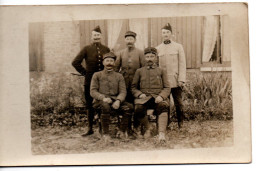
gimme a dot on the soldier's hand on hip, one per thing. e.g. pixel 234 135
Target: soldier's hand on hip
pixel 142 96
pixel 107 100
pixel 181 84
pixel 158 99
pixel 116 104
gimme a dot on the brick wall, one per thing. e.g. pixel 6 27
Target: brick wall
pixel 61 43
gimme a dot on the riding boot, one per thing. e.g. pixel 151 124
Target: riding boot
pixel 90 117
pixel 180 118
pixel 145 126
pixel 105 121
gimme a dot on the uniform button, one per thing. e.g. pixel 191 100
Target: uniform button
pixel 99 56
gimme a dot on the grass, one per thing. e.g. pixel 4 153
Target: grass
pixel 194 134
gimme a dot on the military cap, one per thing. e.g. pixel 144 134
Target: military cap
pixel 167 27
pixel 150 50
pixel 109 55
pixel 130 33
pixel 97 29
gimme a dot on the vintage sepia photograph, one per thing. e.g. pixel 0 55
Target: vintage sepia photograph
pixel 81 103
pixel 125 84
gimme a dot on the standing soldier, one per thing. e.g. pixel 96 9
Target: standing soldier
pixel 151 89
pixel 109 92
pixel 128 61
pixel 172 57
pixel 92 54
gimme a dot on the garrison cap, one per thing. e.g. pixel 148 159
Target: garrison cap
pixel 150 50
pixel 97 29
pixel 130 33
pixel 167 27
pixel 109 55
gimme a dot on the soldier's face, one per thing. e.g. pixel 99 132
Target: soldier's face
pixel 130 41
pixel 96 37
pixel 150 58
pixel 109 63
pixel 166 34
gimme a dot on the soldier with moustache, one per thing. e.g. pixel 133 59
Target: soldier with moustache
pixel 127 62
pixel 92 54
pixel 109 91
pixel 151 90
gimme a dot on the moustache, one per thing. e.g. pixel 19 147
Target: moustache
pixel 129 43
pixel 110 65
pixel 96 38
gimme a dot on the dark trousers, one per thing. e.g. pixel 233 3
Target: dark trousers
pixel 177 98
pixel 89 100
pixel 130 99
pixel 141 110
pixel 126 109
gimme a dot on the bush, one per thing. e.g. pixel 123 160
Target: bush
pixel 55 96
pixel 208 96
pixel 58 99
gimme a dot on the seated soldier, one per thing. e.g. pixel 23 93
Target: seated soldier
pixel 151 89
pixel 109 91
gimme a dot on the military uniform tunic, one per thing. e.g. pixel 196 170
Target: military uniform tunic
pixel 108 84
pixel 152 81
pixel 127 62
pixel 172 58
pixel 93 55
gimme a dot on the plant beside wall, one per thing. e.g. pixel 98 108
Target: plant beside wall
pixel 209 96
pixel 58 99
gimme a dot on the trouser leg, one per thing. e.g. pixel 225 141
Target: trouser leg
pixel 140 112
pixel 162 122
pixel 105 117
pixel 105 121
pixel 162 110
pixel 177 97
pixel 90 116
pixel 90 110
pixel 127 110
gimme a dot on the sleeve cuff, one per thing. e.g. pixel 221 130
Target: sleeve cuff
pixel 101 97
pixel 119 100
pixel 138 94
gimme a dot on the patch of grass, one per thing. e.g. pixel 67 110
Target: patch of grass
pixel 194 134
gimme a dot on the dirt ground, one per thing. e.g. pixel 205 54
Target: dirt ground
pixel 194 134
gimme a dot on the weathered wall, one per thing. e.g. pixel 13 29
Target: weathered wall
pixel 61 43
pixel 53 45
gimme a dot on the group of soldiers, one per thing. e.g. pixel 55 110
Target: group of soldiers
pixel 132 81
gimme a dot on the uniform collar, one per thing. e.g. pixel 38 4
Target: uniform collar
pixel 167 42
pixel 107 72
pixel 152 66
pixel 131 49
pixel 97 44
